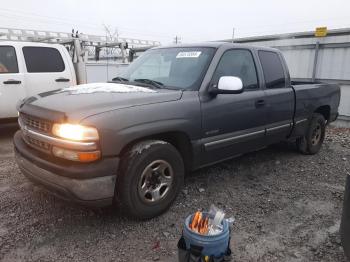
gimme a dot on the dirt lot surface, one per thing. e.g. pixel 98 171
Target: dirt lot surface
pixel 287 208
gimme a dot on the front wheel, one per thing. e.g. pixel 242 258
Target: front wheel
pixel 312 141
pixel 150 178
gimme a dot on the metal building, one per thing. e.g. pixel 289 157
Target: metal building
pixel 311 58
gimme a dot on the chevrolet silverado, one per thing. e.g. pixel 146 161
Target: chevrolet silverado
pixel 174 109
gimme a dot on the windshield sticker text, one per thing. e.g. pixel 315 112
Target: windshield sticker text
pixel 193 54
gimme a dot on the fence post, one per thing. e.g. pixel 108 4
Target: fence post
pixel 317 48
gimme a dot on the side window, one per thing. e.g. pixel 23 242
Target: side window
pixel 273 69
pixel 8 60
pixel 238 63
pixel 43 59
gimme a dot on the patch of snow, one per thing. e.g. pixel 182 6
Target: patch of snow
pixel 105 88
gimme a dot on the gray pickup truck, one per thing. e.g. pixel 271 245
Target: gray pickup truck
pixel 175 109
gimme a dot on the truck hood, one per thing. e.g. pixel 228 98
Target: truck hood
pixel 77 102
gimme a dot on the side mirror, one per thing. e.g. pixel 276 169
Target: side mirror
pixel 228 85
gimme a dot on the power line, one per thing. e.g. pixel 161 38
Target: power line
pixel 68 26
pixel 63 21
pixel 60 21
pixel 35 15
pixel 44 19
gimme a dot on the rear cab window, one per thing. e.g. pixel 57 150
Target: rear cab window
pixel 8 60
pixel 43 59
pixel 238 63
pixel 272 69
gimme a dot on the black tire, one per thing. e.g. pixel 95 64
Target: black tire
pixel 312 142
pixel 136 169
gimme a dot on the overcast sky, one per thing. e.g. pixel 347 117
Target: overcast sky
pixel 163 19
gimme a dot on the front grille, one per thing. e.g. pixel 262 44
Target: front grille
pixel 35 123
pixel 37 144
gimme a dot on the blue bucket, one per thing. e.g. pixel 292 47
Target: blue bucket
pixel 215 245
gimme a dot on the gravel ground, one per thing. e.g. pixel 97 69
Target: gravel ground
pixel 287 208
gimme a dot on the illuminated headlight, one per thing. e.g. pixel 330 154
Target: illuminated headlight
pixel 75 132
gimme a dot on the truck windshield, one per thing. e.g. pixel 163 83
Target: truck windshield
pixel 177 68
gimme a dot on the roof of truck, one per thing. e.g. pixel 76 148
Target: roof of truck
pixel 23 43
pixel 217 45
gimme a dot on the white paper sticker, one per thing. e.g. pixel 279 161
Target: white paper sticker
pixel 193 54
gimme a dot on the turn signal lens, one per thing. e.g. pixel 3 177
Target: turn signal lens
pixel 75 132
pixel 76 156
pixel 89 156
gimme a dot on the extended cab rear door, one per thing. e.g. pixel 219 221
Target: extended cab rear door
pixel 11 81
pixel 279 96
pixel 47 69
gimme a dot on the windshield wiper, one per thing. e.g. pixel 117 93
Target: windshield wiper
pixel 120 79
pixel 151 82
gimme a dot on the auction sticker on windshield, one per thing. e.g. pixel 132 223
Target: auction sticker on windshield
pixel 192 54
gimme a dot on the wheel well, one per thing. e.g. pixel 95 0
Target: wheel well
pixel 178 139
pixel 325 111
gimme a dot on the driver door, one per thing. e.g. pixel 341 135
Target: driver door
pixel 233 124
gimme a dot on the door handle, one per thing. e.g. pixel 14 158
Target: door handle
pixel 260 103
pixel 12 82
pixel 62 79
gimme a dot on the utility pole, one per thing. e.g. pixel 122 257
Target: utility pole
pixel 177 40
pixel 233 34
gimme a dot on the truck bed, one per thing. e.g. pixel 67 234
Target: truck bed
pixel 311 95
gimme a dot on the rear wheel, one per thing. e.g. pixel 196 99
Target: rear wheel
pixel 150 178
pixel 312 141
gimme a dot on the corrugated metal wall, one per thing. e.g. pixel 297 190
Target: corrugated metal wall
pixel 333 58
pixel 300 62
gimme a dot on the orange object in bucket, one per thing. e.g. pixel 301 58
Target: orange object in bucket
pixel 200 224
